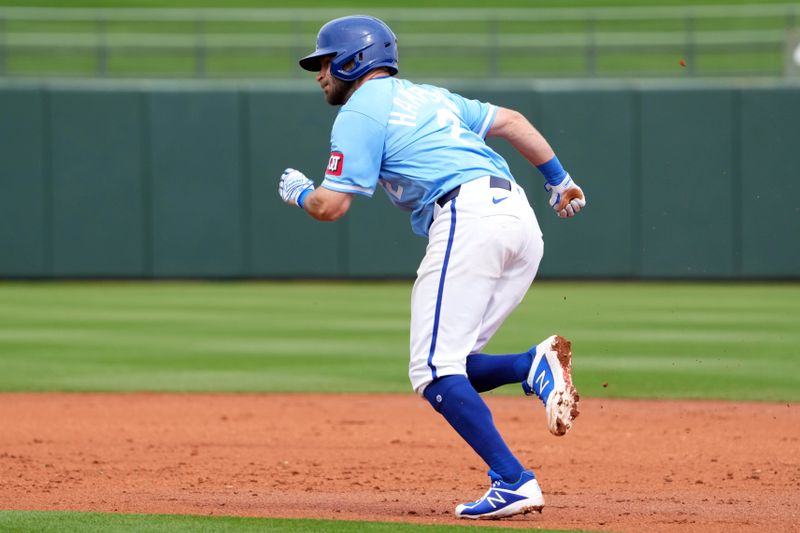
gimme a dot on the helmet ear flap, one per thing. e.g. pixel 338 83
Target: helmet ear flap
pixel 346 67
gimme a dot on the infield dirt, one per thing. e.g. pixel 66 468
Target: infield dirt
pixel 625 466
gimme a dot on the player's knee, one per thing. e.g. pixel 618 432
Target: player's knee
pixel 419 380
pixel 439 389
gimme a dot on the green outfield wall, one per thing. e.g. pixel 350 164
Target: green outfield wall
pixel 172 180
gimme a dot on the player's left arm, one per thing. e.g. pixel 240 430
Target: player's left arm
pixel 566 198
pixel 516 129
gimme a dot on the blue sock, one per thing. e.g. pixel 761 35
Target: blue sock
pixel 487 372
pixel 460 404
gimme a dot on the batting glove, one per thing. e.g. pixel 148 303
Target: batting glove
pixel 566 198
pixel 293 187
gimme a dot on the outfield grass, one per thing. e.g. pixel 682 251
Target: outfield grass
pixel 635 340
pixel 376 3
pixel 58 522
pixel 751 46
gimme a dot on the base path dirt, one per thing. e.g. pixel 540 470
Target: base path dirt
pixel 625 466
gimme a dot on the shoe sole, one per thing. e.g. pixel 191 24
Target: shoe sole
pixel 502 513
pixel 563 408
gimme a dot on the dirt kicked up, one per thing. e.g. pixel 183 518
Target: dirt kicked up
pixel 625 466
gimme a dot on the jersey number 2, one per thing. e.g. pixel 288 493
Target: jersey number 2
pixel 444 117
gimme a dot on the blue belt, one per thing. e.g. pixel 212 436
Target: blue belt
pixel 494 183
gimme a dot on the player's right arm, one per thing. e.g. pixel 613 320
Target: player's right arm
pixel 327 205
pixel 353 168
pixel 323 204
pixel 566 198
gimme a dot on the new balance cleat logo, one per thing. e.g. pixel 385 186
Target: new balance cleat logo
pixel 495 498
pixel 540 381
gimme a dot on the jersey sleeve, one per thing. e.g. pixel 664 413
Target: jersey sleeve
pixel 356 154
pixel 477 115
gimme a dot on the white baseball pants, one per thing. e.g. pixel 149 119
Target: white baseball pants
pixel 484 248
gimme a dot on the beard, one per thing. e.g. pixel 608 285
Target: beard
pixel 338 91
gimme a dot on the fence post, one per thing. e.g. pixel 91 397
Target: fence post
pixel 102 47
pixel 3 46
pixel 690 48
pixel 792 60
pixel 591 46
pixel 200 48
pixel 493 48
pixel 300 47
pixel 792 56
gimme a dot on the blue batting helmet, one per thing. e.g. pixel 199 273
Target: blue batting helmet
pixel 366 41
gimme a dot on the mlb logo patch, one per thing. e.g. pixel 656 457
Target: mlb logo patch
pixel 335 164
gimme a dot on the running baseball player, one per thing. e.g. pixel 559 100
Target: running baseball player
pixel 425 146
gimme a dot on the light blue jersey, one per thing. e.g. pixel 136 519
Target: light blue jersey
pixel 417 141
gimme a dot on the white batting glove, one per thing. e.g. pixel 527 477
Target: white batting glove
pixel 293 183
pixel 566 198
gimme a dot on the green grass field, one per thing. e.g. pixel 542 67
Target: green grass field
pixel 635 340
pixel 48 522
pixel 644 340
pixel 375 3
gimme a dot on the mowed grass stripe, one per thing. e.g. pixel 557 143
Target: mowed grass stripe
pixel 734 341
pixel 371 4
pixel 59 522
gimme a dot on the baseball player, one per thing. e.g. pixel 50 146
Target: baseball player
pixel 425 147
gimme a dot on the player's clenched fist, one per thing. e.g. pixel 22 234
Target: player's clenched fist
pixel 566 198
pixel 293 187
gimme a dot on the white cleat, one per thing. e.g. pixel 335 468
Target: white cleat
pixel 505 499
pixel 550 378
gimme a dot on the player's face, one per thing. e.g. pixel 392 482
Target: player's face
pixel 336 91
